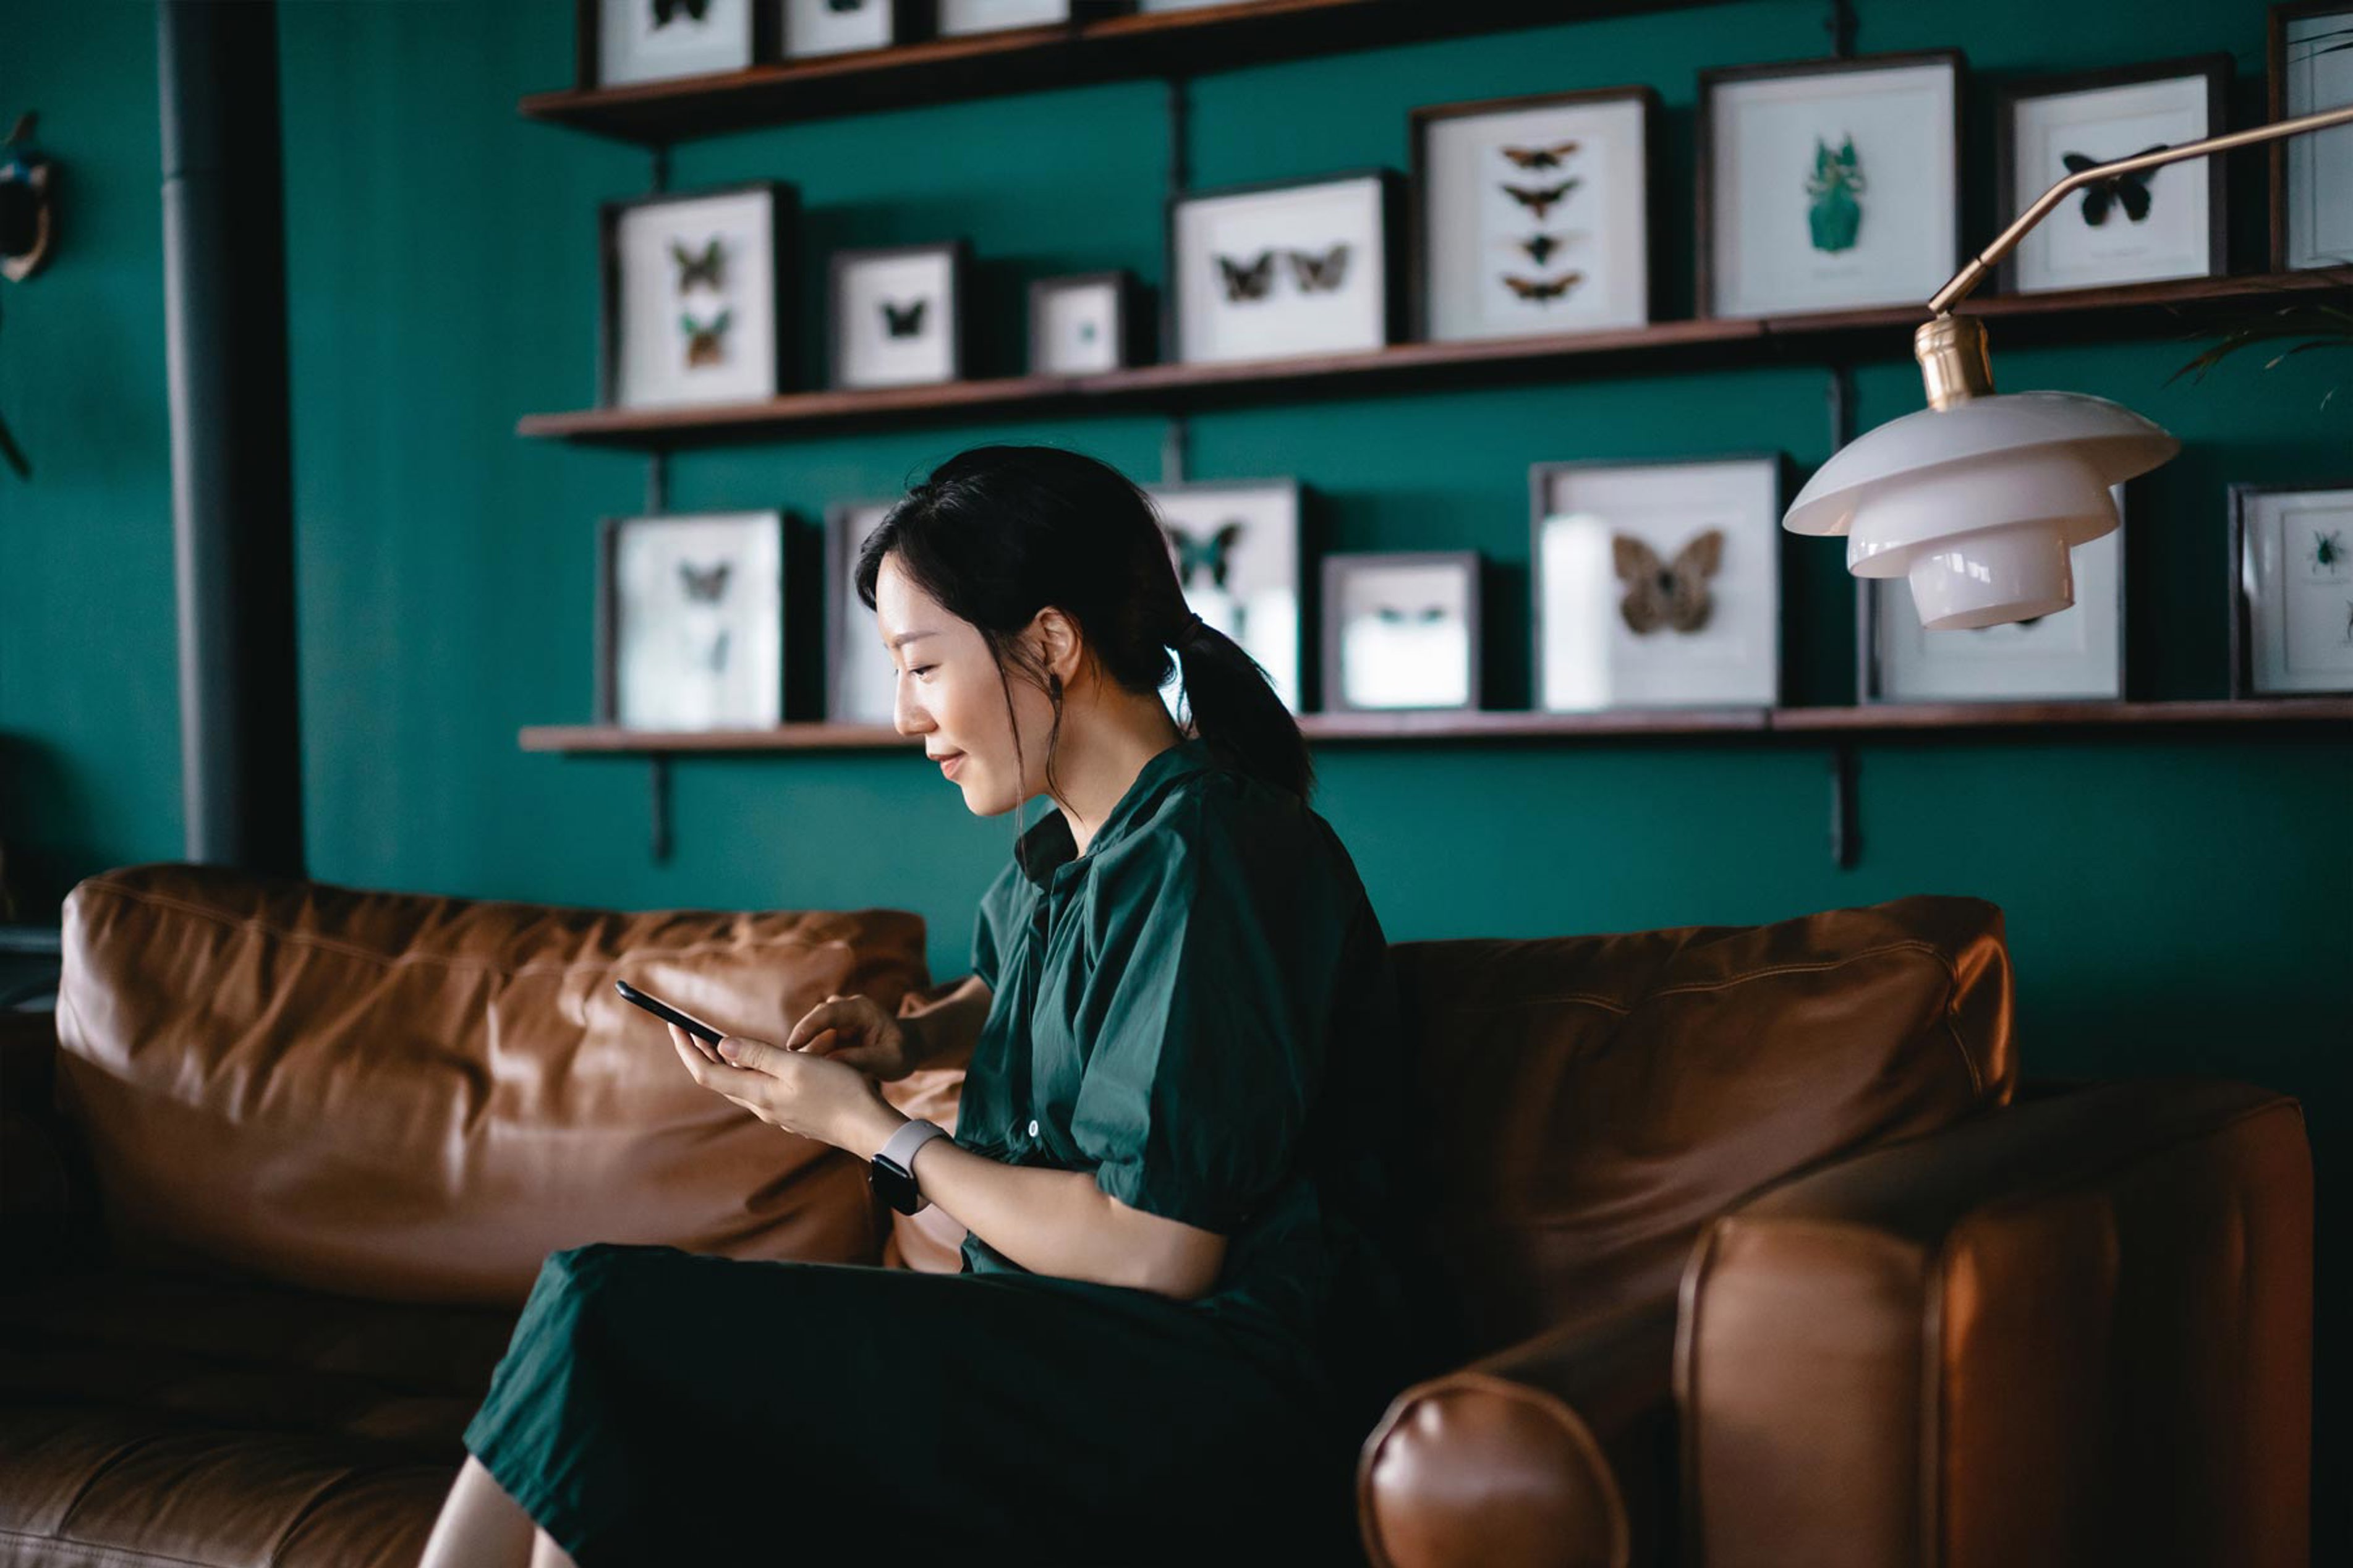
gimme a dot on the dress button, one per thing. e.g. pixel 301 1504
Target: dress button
pixel 1033 1129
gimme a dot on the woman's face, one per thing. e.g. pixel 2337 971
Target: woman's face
pixel 949 693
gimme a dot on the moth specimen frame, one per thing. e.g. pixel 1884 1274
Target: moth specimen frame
pixel 711 604
pixel 924 316
pixel 1406 629
pixel 1129 330
pixel 1312 268
pixel 602 59
pixel 697 308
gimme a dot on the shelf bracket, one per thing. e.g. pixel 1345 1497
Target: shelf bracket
pixel 1846 817
pixel 1840 25
pixel 657 791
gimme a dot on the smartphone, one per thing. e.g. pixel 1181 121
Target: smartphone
pixel 661 1009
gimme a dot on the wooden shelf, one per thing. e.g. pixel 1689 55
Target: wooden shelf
pixel 2070 316
pixel 2310 714
pixel 944 71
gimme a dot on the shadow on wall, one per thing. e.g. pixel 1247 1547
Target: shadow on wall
pixel 47 837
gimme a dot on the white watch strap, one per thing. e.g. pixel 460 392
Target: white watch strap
pixel 900 1146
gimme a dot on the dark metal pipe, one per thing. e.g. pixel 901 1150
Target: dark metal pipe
pixel 232 486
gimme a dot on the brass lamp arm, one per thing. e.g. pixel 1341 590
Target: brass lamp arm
pixel 1970 276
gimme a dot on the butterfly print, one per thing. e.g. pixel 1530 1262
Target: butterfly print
pixel 1540 246
pixel 706 648
pixel 692 266
pixel 707 584
pixel 1247 280
pixel 1397 617
pixel 665 11
pixel 1540 199
pixel 842 8
pixel 1543 291
pixel 1319 274
pixel 2130 192
pixel 702 341
pixel 1198 558
pixel 1666 594
pixel 904 320
pixel 1538 157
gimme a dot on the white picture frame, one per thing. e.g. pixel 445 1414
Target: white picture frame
pixel 1532 216
pixel 1401 631
pixel 1082 323
pixel 660 40
pixel 1607 540
pixel 2313 179
pixel 957 18
pixel 895 314
pixel 692 611
pixel 694 286
pixel 1828 185
pixel 861 679
pixel 2074 654
pixel 2292 590
pixel 809 29
pixel 1286 268
pixel 1237 546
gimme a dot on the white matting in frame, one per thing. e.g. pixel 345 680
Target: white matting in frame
pixel 960 16
pixel 2077 652
pixel 829 27
pixel 2136 228
pixel 1535 220
pixel 698 608
pixel 2295 588
pixel 1658 584
pixel 2316 74
pixel 1079 327
pixel 654 40
pixel 1236 548
pixel 696 300
pixel 861 678
pixel 1296 270
pixel 1831 189
pixel 894 316
pixel 1405 630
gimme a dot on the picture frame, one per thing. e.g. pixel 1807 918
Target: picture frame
pixel 894 314
pixel 1402 630
pixel 1082 323
pixel 1283 268
pixel 696 295
pixel 1634 607
pixel 1488 256
pixel 961 18
pixel 2077 654
pixel 691 621
pixel 1782 227
pixel 861 677
pixel 2167 222
pixel 620 42
pixel 2292 590
pixel 1237 546
pixel 813 29
pixel 2311 175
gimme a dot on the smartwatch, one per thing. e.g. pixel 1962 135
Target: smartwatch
pixel 891 1171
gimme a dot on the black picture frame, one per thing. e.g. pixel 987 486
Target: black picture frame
pixel 606 699
pixel 1393 311
pixel 910 22
pixel 1131 333
pixel 2275 99
pixel 2009 199
pixel 2241 653
pixel 1335 572
pixel 958 253
pixel 784 239
pixel 588 47
pixel 1704 182
pixel 840 549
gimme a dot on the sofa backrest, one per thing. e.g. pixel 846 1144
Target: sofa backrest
pixel 1585 1104
pixel 418 1098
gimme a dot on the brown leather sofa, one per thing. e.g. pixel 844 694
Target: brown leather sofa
pixel 1743 1243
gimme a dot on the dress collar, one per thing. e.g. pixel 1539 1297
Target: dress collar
pixel 1049 845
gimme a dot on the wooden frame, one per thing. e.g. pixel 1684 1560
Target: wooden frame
pixel 2241 652
pixel 1130 332
pixel 1338 566
pixel 1704 274
pixel 958 253
pixel 1393 306
pixel 2275 100
pixel 1417 183
pixel 607 632
pixel 784 269
pixel 588 48
pixel 2008 201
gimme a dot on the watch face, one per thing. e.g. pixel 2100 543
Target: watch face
pixel 897 1186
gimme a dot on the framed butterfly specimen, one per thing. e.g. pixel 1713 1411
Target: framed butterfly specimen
pixel 1401 631
pixel 895 314
pixel 693 292
pixel 862 679
pixel 2166 222
pixel 1087 322
pixel 1532 216
pixel 1657 584
pixel 814 28
pixel 657 41
pixel 691 621
pixel 958 17
pixel 1829 184
pixel 2291 590
pixel 2311 176
pixel 1237 546
pixel 1287 268
pixel 2077 653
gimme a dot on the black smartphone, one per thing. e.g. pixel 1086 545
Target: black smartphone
pixel 661 1009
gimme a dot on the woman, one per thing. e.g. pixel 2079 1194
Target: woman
pixel 1181 1308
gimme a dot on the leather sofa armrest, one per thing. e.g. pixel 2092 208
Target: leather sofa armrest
pixel 1558 1450
pixel 48 1205
pixel 2074 1329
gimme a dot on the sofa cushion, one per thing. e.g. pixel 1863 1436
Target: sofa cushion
pixel 1587 1103
pixel 418 1097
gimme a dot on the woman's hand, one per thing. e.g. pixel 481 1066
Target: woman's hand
pixel 800 1091
pixel 857 1032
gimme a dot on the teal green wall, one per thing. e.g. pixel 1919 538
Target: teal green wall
pixel 2175 903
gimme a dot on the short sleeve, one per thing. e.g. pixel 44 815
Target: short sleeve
pixel 1216 952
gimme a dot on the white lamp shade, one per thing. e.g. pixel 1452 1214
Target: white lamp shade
pixel 1977 504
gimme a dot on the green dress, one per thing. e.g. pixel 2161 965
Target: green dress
pixel 1200 1011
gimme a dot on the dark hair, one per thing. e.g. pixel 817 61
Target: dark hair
pixel 997 534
